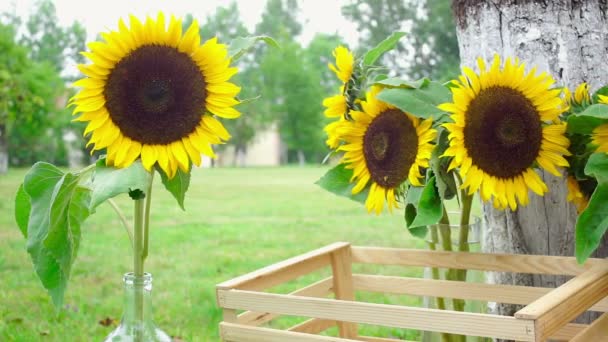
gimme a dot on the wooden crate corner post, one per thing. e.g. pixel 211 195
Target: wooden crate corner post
pixel 341 266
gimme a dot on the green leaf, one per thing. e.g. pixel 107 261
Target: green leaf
pixel 239 46
pixel 79 211
pixel 337 181
pixel 386 45
pixel 419 232
pixel 602 91
pixel 177 185
pixel 597 166
pixel 586 121
pixel 410 215
pixel 58 208
pixel 446 183
pixel 379 78
pixel 421 102
pixel 413 194
pixel 429 208
pixel 397 82
pixel 108 182
pixel 592 223
pixel 22 210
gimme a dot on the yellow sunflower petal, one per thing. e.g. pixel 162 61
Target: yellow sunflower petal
pixel 148 156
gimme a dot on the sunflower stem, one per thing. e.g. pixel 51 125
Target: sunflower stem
pixel 446 244
pixel 434 270
pixel 144 252
pixel 138 264
pixel 463 241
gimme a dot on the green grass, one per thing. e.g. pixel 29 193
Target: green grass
pixel 237 220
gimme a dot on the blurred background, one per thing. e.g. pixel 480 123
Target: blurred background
pixel 40 41
pixel 256 204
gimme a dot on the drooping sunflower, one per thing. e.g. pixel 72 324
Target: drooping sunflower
pixel 385 146
pixel 505 124
pixel 576 195
pixel 337 105
pixel 599 137
pixel 345 61
pixel 153 93
pixel 580 97
pixel 336 109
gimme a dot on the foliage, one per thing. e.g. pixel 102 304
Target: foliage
pixel 28 94
pixel 32 88
pixel 591 171
pixel 51 43
pixel 432 48
pixel 337 181
pixel 290 83
pixel 50 207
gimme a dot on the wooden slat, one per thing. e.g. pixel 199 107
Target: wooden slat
pixel 229 315
pixel 597 331
pixel 341 266
pixel 284 271
pixel 244 333
pixel 321 288
pixel 313 326
pixel 567 332
pixel 537 264
pixel 509 294
pixel 381 314
pixel 379 339
pixel 566 302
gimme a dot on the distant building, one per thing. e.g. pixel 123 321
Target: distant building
pixel 265 150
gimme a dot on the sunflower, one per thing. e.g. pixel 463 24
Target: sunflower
pixel 575 195
pixel 345 61
pixel 505 123
pixel 153 93
pixel 580 97
pixel 599 137
pixel 336 108
pixel 386 147
pixel 337 105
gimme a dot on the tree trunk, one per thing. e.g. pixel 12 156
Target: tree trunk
pixel 3 149
pixel 240 155
pixel 568 39
pixel 301 158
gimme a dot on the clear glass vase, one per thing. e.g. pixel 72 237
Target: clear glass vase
pixel 136 324
pixel 457 238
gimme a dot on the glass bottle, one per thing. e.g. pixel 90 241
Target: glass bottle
pixel 136 324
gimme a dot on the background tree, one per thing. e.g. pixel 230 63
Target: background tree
pixel 430 46
pixel 51 43
pixel 33 119
pixel 292 87
pixel 13 62
pixel 568 39
pixel 227 25
pixel 319 54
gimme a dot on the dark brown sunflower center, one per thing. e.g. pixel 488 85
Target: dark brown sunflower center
pixel 156 95
pixel 502 132
pixel 390 146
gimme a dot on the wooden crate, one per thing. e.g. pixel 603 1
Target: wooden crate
pixel 547 314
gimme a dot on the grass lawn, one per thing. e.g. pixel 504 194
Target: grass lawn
pixel 237 220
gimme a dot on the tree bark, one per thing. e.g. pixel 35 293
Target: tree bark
pixel 3 149
pixel 568 39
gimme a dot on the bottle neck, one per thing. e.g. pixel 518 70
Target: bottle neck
pixel 138 299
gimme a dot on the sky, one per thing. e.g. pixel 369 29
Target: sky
pixel 99 16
